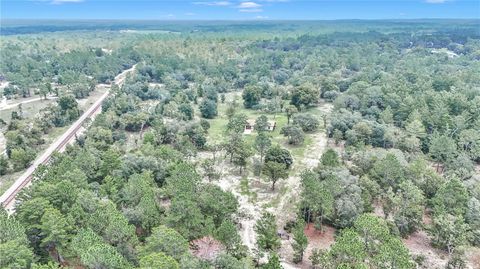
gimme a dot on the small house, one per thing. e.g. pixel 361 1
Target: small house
pixel 250 125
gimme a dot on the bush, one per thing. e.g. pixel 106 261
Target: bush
pixel 294 134
pixel 208 108
pixel 307 122
pixel 279 155
pixel 330 96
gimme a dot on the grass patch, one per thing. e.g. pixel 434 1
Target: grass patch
pixel 216 133
pixel 7 180
pixel 275 201
pixel 29 109
pixel 245 190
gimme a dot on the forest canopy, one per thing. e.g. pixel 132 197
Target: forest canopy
pixel 237 145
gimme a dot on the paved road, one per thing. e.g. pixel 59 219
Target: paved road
pixel 8 198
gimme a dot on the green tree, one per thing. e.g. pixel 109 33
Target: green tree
pixel 56 231
pixel 473 219
pixel 262 143
pixel 452 198
pixel 46 89
pixel 307 122
pixel 387 116
pixel 49 265
pixel 186 217
pixel 469 141
pixel 95 253
pixel 273 262
pixel 186 110
pixel 3 165
pixel 318 200
pixel 348 251
pixel 140 204
pixel 241 154
pixel 266 229
pixel 251 96
pixel 416 129
pixel 261 124
pixel 388 171
pixel 409 208
pixel 209 171
pixel 208 109
pixel 290 110
pixel 300 240
pixel 279 155
pixel 275 171
pixel 15 252
pixel 294 134
pixel 226 261
pixel 337 136
pixel 158 260
pixel 21 158
pixel 369 244
pixel 330 158
pixel 461 166
pixel 237 123
pixel 216 203
pixel 164 240
pixel 442 149
pixel 448 232
pixel 228 235
pixel 305 95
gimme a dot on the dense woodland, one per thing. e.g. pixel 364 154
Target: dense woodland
pixel 136 190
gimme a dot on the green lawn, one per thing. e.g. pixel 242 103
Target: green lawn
pixel 216 133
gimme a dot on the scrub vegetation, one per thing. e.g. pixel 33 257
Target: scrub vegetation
pixel 256 145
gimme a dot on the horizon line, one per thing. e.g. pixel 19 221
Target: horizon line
pixel 224 20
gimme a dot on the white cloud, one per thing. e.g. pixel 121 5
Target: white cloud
pixel 436 1
pixel 189 14
pixel 58 2
pixel 251 10
pixel 261 17
pixel 249 5
pixel 214 3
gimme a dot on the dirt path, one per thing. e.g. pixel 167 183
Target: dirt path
pixel 5 105
pixel 250 209
pixel 289 201
pixel 257 196
pixel 419 245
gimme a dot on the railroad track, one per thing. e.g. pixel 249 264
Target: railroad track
pixel 8 198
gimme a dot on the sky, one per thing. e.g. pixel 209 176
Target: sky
pixel 238 10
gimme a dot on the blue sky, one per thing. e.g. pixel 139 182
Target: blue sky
pixel 238 10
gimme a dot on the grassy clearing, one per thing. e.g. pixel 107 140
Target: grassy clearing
pixel 245 190
pixel 7 180
pixel 280 192
pixel 216 133
pixel 29 109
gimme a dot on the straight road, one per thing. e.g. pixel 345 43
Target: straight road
pixel 8 198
